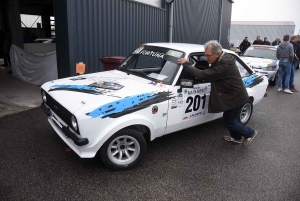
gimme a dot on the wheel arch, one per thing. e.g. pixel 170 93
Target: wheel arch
pixel 140 124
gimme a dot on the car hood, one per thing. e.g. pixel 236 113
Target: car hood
pixel 98 89
pixel 261 63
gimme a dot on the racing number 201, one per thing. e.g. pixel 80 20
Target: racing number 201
pixel 196 102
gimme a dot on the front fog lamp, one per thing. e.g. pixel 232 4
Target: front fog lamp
pixel 44 97
pixel 74 123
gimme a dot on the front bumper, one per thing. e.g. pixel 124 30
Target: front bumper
pixel 65 129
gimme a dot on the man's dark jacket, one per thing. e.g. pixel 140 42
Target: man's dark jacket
pixel 244 45
pixel 257 42
pixel 227 88
pixel 265 43
pixel 274 43
pixel 296 47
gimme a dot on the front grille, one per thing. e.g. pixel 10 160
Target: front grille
pixel 59 110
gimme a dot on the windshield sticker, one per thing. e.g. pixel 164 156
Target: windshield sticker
pixel 253 80
pixel 153 54
pixel 157 76
pixel 174 53
pixel 138 50
pixel 129 104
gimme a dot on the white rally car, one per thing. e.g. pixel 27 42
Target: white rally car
pixel 262 59
pixel 147 96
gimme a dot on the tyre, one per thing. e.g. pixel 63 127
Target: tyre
pixel 124 150
pixel 245 113
pixel 273 82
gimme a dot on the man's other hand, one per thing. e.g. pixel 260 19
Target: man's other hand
pixel 182 61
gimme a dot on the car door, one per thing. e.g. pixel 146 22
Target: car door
pixel 255 83
pixel 189 105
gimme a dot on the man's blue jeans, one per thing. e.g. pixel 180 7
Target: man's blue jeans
pixel 236 129
pixel 284 70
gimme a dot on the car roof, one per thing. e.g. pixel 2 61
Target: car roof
pixel 263 46
pixel 185 47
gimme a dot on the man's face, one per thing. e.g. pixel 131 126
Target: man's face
pixel 246 39
pixel 210 56
pixel 257 38
pixel 277 39
pixel 265 39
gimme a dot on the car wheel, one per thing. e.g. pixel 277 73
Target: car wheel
pixel 245 113
pixel 273 82
pixel 124 150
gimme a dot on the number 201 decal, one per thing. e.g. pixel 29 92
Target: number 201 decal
pixel 194 103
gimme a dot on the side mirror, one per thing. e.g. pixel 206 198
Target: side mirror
pixel 185 83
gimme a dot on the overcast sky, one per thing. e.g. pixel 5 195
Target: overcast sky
pixel 267 10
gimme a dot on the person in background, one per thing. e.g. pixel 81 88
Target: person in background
pixel 244 45
pixel 6 48
pixel 276 42
pixel 298 51
pixel 294 40
pixel 285 55
pixel 26 37
pixel 257 41
pixel 2 39
pixel 266 42
pixel 228 93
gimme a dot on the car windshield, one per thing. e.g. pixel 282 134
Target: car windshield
pixel 154 63
pixel 261 52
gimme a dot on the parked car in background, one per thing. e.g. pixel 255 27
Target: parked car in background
pixel 149 95
pixel 262 59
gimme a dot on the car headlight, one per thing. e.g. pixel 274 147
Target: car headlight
pixel 74 123
pixel 44 97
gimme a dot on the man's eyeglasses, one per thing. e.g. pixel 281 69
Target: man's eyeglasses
pixel 209 55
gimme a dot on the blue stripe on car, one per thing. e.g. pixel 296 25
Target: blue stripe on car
pixel 121 105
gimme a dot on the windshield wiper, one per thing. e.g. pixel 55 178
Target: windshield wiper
pixel 124 70
pixel 140 73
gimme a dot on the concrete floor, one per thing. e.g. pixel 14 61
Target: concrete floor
pixel 16 95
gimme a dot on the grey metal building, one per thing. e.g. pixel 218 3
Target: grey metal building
pixel 87 30
pixel 271 30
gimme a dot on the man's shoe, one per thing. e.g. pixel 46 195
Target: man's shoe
pixel 293 90
pixel 288 91
pixel 230 139
pixel 249 140
pixel 279 89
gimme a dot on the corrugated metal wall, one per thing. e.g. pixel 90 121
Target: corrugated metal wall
pixel 198 21
pixel 238 32
pixel 87 30
pixel 226 22
pixel 101 28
